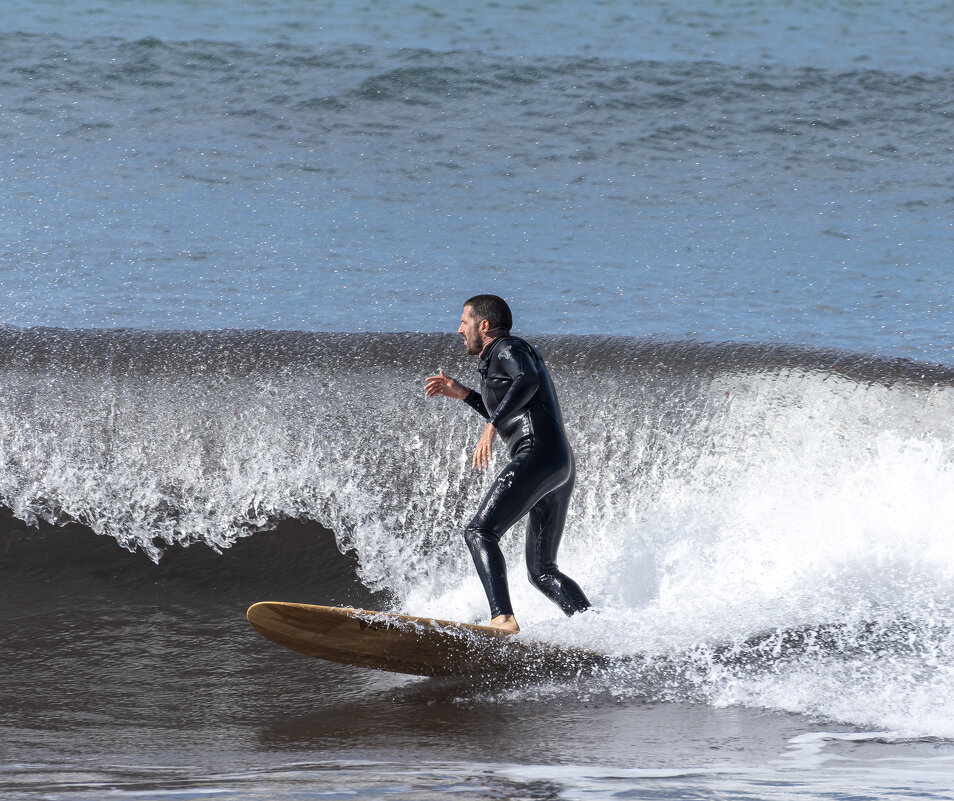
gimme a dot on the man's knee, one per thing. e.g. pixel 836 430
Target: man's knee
pixel 476 536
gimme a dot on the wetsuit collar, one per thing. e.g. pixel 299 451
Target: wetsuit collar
pixel 487 352
pixel 489 346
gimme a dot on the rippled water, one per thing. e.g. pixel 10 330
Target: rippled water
pixel 654 173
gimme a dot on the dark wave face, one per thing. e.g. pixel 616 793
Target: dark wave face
pixel 724 491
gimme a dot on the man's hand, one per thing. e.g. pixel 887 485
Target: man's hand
pixel 484 452
pixel 441 384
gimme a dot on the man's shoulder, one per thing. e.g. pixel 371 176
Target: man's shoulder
pixel 511 342
pixel 512 339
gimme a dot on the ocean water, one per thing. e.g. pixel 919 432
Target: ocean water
pixel 234 239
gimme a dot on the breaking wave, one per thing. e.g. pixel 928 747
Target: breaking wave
pixel 772 524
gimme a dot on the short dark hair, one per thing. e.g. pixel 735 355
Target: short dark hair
pixel 492 309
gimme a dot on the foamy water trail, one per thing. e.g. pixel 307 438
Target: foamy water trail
pixel 768 526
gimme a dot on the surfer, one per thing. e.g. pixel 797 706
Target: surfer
pixel 519 402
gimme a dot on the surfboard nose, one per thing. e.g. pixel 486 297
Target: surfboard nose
pixel 255 609
pixel 261 613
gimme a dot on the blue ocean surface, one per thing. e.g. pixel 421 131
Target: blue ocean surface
pixel 710 170
pixel 234 239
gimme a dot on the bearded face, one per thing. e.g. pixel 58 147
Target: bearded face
pixel 470 332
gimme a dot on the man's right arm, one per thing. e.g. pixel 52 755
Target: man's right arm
pixel 476 403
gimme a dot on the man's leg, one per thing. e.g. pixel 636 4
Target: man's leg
pixel 544 532
pixel 514 492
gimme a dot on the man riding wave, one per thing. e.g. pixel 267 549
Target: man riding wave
pixel 519 402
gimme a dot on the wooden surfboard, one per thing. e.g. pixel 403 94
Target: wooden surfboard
pixel 406 644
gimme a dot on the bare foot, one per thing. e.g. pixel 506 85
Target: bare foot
pixel 505 623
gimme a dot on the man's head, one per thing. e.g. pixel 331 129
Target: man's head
pixel 485 317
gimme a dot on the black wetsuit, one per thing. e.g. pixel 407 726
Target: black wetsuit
pixel 517 396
